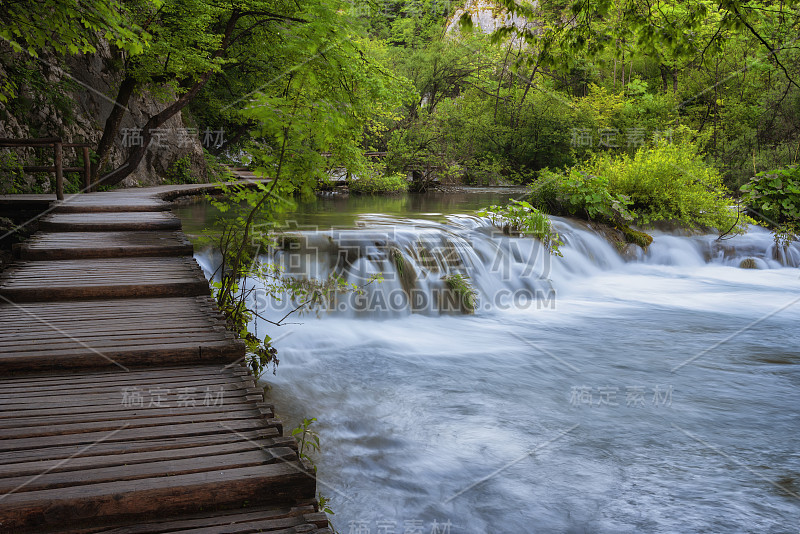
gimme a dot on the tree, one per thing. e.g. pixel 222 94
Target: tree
pixel 192 41
pixel 336 90
pixel 67 27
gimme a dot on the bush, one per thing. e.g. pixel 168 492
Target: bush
pixel 376 183
pixel 180 172
pixel 583 195
pixel 216 171
pixel 774 199
pixel 669 182
pixel 579 194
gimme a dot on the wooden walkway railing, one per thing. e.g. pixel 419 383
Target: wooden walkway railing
pixel 58 159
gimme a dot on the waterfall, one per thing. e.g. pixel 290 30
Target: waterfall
pixel 402 266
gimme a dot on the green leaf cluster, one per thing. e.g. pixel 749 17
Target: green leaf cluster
pixel 519 216
pixel 466 294
pixel 580 194
pixel 773 198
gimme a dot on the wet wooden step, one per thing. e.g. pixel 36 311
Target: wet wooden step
pixel 32 281
pixel 110 202
pixel 85 245
pixel 116 333
pixel 100 222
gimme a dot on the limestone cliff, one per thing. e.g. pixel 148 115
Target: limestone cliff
pixel 486 17
pixel 72 98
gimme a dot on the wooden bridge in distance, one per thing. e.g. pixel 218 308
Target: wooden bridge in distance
pixel 124 404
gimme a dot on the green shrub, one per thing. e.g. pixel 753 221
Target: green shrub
pixel 669 182
pixel 376 183
pixel 519 216
pixel 180 171
pixel 579 194
pixel 582 195
pixel 774 199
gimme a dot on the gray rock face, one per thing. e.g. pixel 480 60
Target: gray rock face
pixel 487 17
pixel 78 115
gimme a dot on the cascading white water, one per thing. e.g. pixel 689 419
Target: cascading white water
pixel 414 259
pixel 657 392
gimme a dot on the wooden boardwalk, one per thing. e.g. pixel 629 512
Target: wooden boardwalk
pixel 124 406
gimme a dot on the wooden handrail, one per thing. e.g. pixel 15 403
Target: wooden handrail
pixel 58 166
pixel 8 141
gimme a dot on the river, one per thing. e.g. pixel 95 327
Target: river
pixel 594 392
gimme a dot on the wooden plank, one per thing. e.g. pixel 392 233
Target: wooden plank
pixel 84 405
pixel 80 450
pixel 132 356
pixel 137 422
pixel 282 482
pixel 102 222
pixel 97 203
pixel 24 398
pixel 220 519
pixel 182 288
pixel 33 468
pixel 189 372
pixel 122 433
pixel 38 141
pixel 10 389
pixel 58 158
pixel 72 245
pixel 162 467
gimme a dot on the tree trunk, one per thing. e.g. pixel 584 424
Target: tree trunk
pixel 137 153
pixel 112 125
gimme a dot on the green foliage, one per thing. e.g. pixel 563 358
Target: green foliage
pixel 332 90
pixel 520 216
pixel 670 182
pixel 71 27
pixel 774 199
pixel 636 237
pixel 378 183
pixel 580 194
pixel 180 171
pixel 216 171
pixel 466 294
pixel 307 440
pixel 11 175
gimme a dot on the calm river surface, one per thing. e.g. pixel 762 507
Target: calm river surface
pixel 658 392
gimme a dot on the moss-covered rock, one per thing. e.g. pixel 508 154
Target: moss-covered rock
pixel 748 263
pixel 467 296
pixel 637 237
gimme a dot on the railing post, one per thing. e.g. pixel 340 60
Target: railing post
pixel 87 184
pixel 59 171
